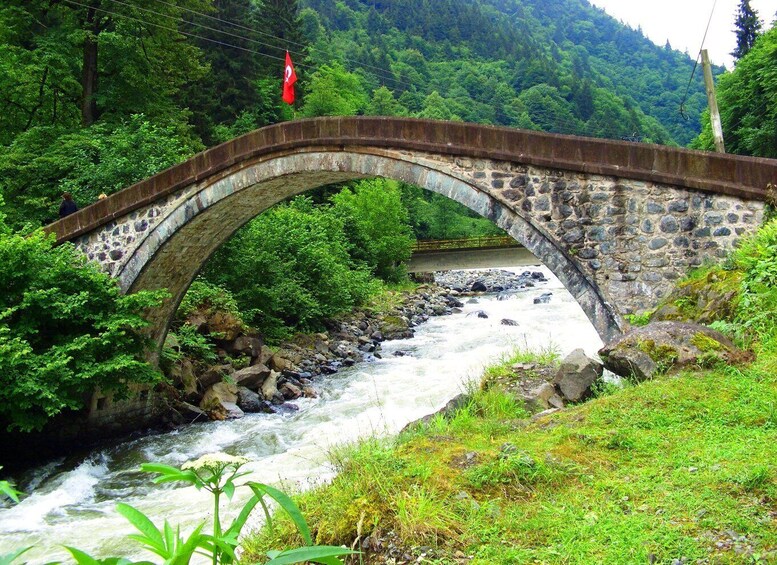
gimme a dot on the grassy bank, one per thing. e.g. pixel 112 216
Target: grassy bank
pixel 679 467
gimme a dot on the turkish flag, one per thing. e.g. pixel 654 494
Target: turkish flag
pixel 289 78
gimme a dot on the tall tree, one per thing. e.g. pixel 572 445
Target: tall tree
pixel 229 89
pixel 747 27
pixel 281 31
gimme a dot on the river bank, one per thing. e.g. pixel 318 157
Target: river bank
pixel 679 469
pixel 74 498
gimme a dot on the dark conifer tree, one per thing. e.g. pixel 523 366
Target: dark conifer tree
pixel 279 21
pixel 228 89
pixel 747 28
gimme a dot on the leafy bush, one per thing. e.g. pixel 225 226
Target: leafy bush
pixel 45 161
pixel 207 296
pixel 289 269
pixel 757 257
pixel 65 330
pixel 376 225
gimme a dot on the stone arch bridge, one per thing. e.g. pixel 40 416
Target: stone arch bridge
pixel 617 222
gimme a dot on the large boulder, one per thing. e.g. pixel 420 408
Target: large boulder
pixel 212 375
pixel 577 375
pixel 220 401
pixel 183 377
pixel 394 327
pixel 657 348
pixel 251 377
pixel 249 346
pixel 250 402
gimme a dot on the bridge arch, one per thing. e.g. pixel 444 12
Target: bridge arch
pixel 616 222
pixel 176 249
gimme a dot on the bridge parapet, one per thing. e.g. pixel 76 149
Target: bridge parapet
pixel 616 222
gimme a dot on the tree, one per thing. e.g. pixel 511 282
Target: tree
pixel 333 91
pixel 376 224
pixel 289 269
pixel 747 27
pixel 65 330
pixel 747 111
pixel 228 89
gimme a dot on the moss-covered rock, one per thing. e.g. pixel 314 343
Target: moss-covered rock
pixel 659 347
pixel 705 297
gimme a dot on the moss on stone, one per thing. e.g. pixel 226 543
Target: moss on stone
pixel 664 356
pixel 705 343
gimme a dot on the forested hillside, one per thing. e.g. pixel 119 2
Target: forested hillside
pixel 557 65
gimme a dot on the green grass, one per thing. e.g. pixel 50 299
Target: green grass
pixel 679 468
pixel 668 468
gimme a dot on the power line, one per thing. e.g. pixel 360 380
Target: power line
pixel 376 70
pixel 379 74
pixel 174 30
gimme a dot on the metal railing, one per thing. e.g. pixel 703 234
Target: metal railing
pixel 487 242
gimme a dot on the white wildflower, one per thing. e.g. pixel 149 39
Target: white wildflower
pixel 214 462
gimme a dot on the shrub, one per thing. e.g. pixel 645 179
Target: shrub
pixel 65 330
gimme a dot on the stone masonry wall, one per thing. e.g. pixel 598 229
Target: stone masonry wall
pixel 633 238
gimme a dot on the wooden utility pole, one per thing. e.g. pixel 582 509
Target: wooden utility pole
pixel 717 126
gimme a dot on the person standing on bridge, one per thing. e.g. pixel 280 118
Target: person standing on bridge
pixel 68 206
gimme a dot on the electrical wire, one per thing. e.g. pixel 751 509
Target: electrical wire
pixel 683 113
pixel 379 72
pixel 174 30
pixel 564 125
pixel 376 70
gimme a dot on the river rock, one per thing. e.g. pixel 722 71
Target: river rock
pixel 189 413
pixel 447 411
pixel 242 345
pixel 270 386
pixel 508 322
pixel 219 401
pixel 184 378
pixel 645 352
pixel 479 286
pixel 251 377
pixel 576 375
pixel 264 356
pixel 212 375
pixel 543 298
pixel 250 402
pixel 290 391
pixel 543 397
pixel 395 327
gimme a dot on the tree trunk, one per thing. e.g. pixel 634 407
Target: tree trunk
pixel 89 76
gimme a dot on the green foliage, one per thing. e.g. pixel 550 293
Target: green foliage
pixel 376 226
pixel 44 162
pixel 215 473
pixel 65 330
pixel 757 306
pixel 433 216
pixel 7 489
pixel 193 344
pixel 745 98
pixel 639 320
pixel 298 272
pixel 207 297
pixel 333 91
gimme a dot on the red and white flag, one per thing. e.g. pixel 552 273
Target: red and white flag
pixel 289 78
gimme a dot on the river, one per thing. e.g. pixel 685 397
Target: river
pixel 71 500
